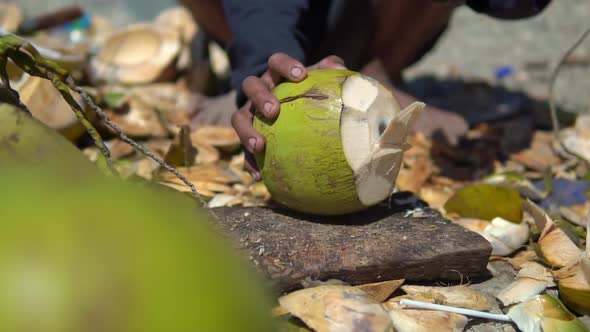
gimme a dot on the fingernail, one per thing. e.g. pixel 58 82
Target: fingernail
pixel 339 66
pixel 267 108
pixel 296 71
pixel 252 143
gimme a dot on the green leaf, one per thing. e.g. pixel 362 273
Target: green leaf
pixel 113 99
pixel 486 202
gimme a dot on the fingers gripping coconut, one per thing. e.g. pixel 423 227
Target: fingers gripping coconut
pixel 337 145
pixel 258 91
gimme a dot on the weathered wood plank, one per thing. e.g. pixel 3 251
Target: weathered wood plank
pixel 379 244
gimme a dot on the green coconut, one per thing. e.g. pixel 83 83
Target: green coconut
pixel 83 252
pixel 337 145
pixel 574 282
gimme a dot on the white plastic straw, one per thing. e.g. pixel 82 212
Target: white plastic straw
pixel 466 312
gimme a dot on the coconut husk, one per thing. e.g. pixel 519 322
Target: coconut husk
pixel 531 280
pixel 137 119
pixel 100 28
pixel 554 246
pixel 206 154
pixel 48 106
pixel 409 320
pixel 337 308
pixel 11 16
pixel 380 291
pixel 455 296
pixel 139 53
pixel 219 61
pixel 172 101
pixel 180 19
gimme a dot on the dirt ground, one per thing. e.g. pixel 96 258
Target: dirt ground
pixel 475 46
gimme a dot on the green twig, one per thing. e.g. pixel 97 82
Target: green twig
pixel 134 144
pixel 29 60
pixel 49 71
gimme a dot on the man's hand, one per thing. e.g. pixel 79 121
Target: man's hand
pixel 258 90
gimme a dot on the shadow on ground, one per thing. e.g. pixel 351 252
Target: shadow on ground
pixel 502 123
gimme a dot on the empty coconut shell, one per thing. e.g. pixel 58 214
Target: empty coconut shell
pixel 140 53
pixel 48 106
pixel 180 19
pixel 138 120
pixel 11 16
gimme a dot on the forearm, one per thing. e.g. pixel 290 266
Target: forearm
pixel 259 29
pixel 209 15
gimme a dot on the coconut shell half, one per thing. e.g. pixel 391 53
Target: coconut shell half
pixel 11 16
pixel 48 106
pixel 140 53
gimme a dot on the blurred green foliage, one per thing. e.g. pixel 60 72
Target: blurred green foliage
pixel 80 251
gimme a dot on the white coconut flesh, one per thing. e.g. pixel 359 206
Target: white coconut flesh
pixel 374 132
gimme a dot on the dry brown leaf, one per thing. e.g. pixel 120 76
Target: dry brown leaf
pixel 203 173
pixel 278 311
pixel 410 320
pixel 237 166
pixel 119 149
pixel 206 153
pixel 380 291
pixel 221 200
pixel 183 188
pixel 420 145
pixel 138 120
pixel 531 280
pixel 48 106
pixel 435 196
pixel 173 101
pixel 249 201
pixel 259 190
pixel 223 138
pixel 540 156
pixel 146 168
pixel 519 260
pixel 474 225
pixel 205 188
pixel 337 308
pixel 577 214
pixel 577 139
pixel 181 19
pixel 413 178
pixel 12 16
pixel 454 296
pixel 159 146
pixel 554 246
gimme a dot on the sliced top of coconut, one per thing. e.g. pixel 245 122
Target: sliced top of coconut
pixel 140 53
pixel 374 132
